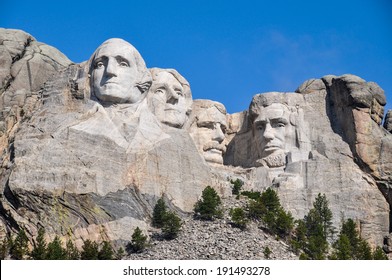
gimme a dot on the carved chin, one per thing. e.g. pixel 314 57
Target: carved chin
pixel 273 161
pixel 213 156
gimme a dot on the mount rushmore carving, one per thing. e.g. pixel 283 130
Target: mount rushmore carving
pixel 87 149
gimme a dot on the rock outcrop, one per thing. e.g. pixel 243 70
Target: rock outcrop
pixel 88 149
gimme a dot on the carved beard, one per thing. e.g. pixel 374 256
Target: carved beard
pixel 273 161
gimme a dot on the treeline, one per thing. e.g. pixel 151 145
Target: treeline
pixel 310 237
pixel 18 248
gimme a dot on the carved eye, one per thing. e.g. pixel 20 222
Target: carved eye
pixel 260 126
pixel 99 64
pixel 179 92
pixel 160 90
pixel 280 124
pixel 123 63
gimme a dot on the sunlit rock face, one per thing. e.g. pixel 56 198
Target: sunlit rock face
pixel 170 97
pixel 87 149
pixel 207 128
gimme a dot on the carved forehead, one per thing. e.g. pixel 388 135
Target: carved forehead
pixel 115 47
pixel 166 77
pixel 158 74
pixel 275 111
pixel 209 111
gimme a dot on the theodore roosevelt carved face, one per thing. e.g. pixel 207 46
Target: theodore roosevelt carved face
pixel 118 73
pixel 208 127
pixel 169 97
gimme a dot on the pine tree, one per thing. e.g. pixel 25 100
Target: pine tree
pixel 72 253
pixel 138 242
pixel 324 214
pixel 120 253
pixel 208 208
pixel 363 251
pixel 106 252
pixel 159 213
pixel 4 248
pixel 19 247
pixel 318 228
pixel 172 225
pixel 238 217
pixel 379 254
pixel 236 188
pixel 269 210
pixel 267 252
pixel 89 250
pixel 343 248
pixel 39 246
pixel 55 250
pixel 299 239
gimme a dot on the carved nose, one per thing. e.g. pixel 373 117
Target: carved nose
pixel 172 97
pixel 218 133
pixel 268 133
pixel 111 69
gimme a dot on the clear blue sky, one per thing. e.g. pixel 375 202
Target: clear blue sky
pixel 227 50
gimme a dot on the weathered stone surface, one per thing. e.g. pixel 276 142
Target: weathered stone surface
pixel 207 127
pixel 170 97
pixel 388 121
pixel 87 153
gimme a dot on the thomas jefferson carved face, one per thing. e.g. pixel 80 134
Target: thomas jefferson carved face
pixel 272 128
pixel 117 71
pixel 208 130
pixel 169 97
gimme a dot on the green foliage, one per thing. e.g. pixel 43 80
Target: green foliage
pixel 106 252
pixel 55 250
pixel 19 247
pixel 299 238
pixel 310 234
pixel 39 246
pixel 343 249
pixel 138 242
pixel 379 254
pixel 238 217
pixel 236 188
pixel 71 252
pixel 120 253
pixel 172 225
pixel 268 210
pixel 89 250
pixel 4 248
pixel 267 252
pixel 208 208
pixel 251 194
pixel 318 228
pixel 158 216
pixel 363 251
pixel 349 245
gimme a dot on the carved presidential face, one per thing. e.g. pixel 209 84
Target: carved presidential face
pixel 116 72
pixel 169 99
pixel 272 130
pixel 208 133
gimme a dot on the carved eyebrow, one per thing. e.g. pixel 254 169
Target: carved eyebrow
pixel 280 120
pixel 100 58
pixel 121 58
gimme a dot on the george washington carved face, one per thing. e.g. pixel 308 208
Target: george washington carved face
pixel 118 73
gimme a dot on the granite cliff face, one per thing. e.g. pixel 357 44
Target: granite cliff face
pixel 87 149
